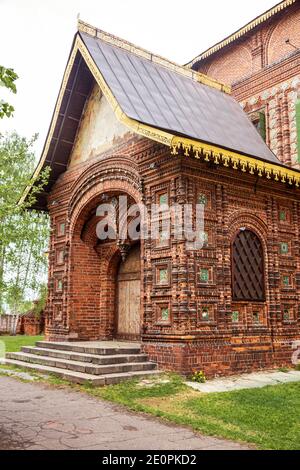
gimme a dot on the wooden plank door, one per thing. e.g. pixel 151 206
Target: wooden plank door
pixel 129 296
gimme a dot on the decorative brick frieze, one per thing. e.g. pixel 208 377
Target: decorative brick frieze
pixel 188 319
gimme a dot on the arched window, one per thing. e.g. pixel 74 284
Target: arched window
pixel 247 267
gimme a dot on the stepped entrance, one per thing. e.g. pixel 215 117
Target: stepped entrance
pixel 96 362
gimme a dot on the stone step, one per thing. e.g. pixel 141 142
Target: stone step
pixel 90 348
pixel 72 376
pixel 81 378
pixel 112 379
pixel 82 367
pixel 85 357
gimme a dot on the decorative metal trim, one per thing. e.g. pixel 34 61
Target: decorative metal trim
pixel 195 148
pixel 142 129
pixel 133 49
pixel 124 249
pixel 227 158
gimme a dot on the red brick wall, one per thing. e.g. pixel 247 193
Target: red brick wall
pixel 82 288
pixel 32 328
pixel 264 72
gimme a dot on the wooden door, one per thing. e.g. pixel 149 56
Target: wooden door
pixel 129 296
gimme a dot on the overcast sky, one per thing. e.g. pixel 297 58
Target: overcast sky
pixel 36 36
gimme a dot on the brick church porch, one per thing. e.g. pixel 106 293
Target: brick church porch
pixel 229 307
pixel 96 362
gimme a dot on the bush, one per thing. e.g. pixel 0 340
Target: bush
pixel 198 376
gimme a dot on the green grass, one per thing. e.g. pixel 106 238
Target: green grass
pixel 268 418
pixel 14 343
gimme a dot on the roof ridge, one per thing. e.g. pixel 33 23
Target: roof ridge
pixel 243 30
pixel 139 51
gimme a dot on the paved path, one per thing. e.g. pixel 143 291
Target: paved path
pixel 253 380
pixel 36 416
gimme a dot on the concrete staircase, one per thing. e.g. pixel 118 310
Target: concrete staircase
pixel 97 362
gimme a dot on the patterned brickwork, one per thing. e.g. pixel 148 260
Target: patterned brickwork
pixel 188 321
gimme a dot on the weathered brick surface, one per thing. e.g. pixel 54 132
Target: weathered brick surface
pixel 264 71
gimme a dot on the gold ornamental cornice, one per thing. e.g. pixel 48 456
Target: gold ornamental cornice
pixel 197 149
pixel 236 161
pixel 248 27
pixel 53 122
pixel 141 129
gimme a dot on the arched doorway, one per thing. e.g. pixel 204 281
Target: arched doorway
pixel 104 287
pixel 128 296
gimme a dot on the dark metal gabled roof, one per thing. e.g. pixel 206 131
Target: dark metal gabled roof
pixel 160 97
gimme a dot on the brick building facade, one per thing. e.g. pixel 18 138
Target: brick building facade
pixel 262 64
pixel 232 305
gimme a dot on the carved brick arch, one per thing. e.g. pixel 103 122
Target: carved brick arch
pixel 87 194
pixel 232 65
pixel 116 221
pixel 89 231
pixel 286 28
pixel 267 42
pixel 253 222
pixel 91 309
pixel 119 165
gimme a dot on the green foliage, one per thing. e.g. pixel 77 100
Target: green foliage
pixel 198 376
pixel 23 233
pixel 265 417
pixel 40 304
pixel 14 343
pixel 130 392
pixel 7 80
pixel 283 369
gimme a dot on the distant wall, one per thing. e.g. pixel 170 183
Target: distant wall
pixel 262 47
pixel 264 72
pixel 287 28
pixel 7 324
pixel 231 65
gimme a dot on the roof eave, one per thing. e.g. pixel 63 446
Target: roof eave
pixel 237 161
pixel 193 147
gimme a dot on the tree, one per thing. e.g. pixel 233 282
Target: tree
pixel 23 232
pixel 7 80
pixel 40 304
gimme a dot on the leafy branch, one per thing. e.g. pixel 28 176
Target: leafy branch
pixel 7 80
